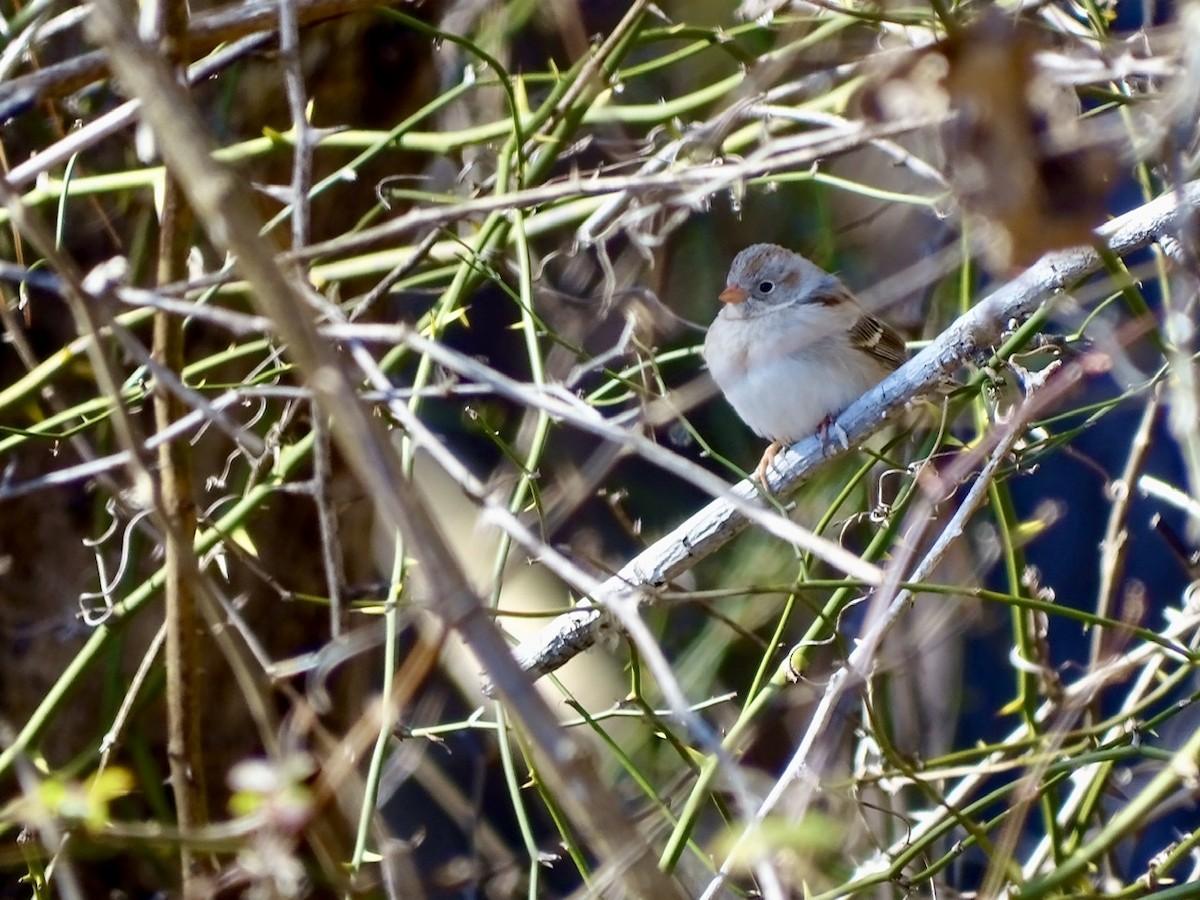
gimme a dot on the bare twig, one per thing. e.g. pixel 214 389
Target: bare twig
pixel 165 23
pixel 1115 545
pixel 180 428
pixel 745 500
pixel 701 180
pixel 208 30
pixel 293 76
pixel 331 549
pixel 124 115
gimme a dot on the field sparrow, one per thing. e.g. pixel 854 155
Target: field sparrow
pixel 791 347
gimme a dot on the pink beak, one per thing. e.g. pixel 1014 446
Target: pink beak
pixel 733 294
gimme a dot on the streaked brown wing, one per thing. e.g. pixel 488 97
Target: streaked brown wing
pixel 879 340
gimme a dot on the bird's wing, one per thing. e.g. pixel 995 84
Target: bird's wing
pixel 879 340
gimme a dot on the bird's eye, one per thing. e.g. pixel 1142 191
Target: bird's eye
pixel 765 287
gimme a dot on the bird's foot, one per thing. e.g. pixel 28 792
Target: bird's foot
pixel 768 457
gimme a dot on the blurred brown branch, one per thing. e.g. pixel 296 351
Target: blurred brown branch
pixel 226 210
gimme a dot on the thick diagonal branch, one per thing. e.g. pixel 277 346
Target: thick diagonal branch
pixel 979 329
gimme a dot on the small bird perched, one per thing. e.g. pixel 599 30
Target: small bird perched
pixel 791 347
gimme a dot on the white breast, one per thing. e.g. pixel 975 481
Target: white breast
pixel 783 376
